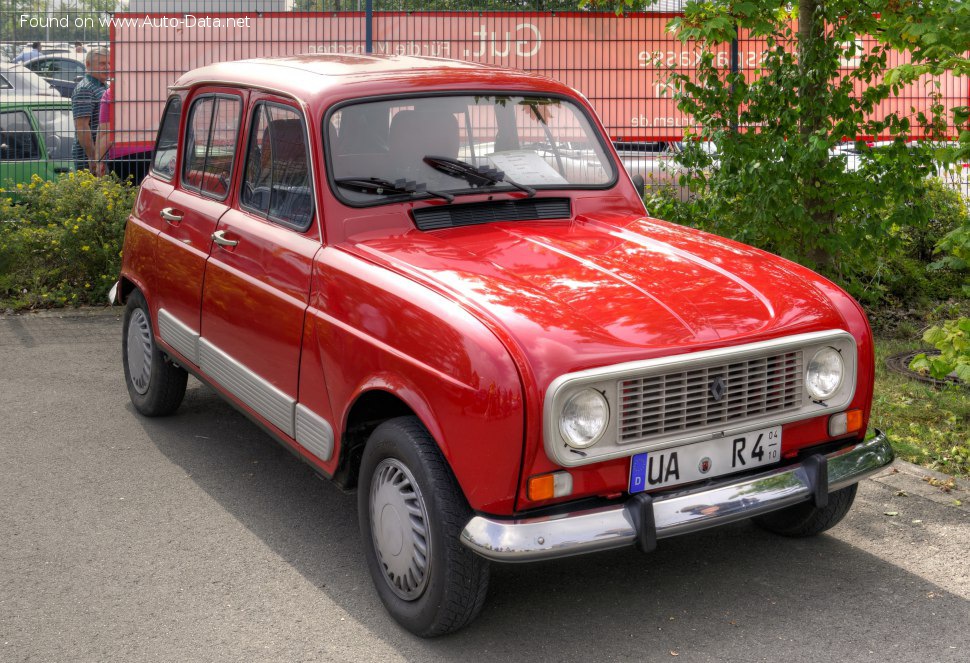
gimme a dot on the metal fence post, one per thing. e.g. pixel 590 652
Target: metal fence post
pixel 369 26
pixel 734 69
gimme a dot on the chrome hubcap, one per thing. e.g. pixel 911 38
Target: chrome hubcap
pixel 139 350
pixel 399 527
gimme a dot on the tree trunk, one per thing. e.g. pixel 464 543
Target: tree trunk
pixel 811 50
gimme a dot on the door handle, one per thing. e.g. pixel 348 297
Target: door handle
pixel 171 215
pixel 219 237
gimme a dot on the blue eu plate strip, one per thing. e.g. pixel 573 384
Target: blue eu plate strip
pixel 638 473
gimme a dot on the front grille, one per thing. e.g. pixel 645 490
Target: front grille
pixel 683 401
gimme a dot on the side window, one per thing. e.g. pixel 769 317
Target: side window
pixel 210 145
pixel 5 84
pixel 17 138
pixel 166 145
pixel 277 183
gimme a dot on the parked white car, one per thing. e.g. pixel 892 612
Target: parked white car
pixel 18 82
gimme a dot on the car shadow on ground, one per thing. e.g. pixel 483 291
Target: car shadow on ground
pixel 734 593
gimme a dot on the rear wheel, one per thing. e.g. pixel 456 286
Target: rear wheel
pixel 806 519
pixel 411 514
pixel 155 385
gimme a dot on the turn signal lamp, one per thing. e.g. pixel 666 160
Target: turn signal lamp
pixel 845 422
pixel 548 486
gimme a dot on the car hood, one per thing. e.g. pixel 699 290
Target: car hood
pixel 592 292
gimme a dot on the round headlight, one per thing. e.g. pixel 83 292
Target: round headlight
pixel 824 375
pixel 584 417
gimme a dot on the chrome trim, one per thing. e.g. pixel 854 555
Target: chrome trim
pixel 271 403
pixel 606 378
pixel 179 335
pixel 675 513
pixel 314 433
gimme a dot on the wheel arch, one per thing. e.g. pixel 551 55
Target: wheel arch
pixel 373 406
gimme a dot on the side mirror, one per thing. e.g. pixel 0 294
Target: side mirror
pixel 639 183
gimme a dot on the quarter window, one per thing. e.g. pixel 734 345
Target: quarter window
pixel 210 144
pixel 277 183
pixel 166 146
pixel 18 141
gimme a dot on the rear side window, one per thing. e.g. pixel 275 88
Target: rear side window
pixel 18 142
pixel 166 146
pixel 210 145
pixel 277 181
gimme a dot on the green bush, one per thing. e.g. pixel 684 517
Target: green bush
pixel 60 242
pixel 882 252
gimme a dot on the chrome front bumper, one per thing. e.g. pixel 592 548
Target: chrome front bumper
pixel 615 526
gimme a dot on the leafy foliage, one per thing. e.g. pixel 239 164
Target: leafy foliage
pixel 777 182
pixel 60 242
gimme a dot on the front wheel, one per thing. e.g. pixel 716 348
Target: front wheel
pixel 155 385
pixel 806 519
pixel 411 514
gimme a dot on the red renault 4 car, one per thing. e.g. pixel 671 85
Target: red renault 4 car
pixel 432 281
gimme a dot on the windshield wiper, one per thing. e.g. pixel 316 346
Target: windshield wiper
pixel 475 175
pixel 382 187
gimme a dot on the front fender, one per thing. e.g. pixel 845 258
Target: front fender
pixel 377 329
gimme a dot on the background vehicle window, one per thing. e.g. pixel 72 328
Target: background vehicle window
pixel 277 183
pixel 5 84
pixel 67 70
pixel 17 138
pixel 167 143
pixel 210 142
pixel 57 131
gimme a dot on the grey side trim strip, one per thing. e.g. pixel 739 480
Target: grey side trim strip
pixel 178 335
pixel 314 433
pixel 271 403
pixel 675 513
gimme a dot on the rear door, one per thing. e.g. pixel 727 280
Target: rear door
pixel 194 205
pixel 257 280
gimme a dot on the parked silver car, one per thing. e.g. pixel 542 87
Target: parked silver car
pixel 17 82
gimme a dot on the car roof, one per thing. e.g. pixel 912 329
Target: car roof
pixel 35 100
pixel 316 75
pixel 58 56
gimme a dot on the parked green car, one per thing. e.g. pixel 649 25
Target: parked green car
pixel 36 138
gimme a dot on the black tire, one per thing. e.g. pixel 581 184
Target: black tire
pixel 155 385
pixel 804 520
pixel 403 470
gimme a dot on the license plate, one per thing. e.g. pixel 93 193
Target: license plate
pixel 703 460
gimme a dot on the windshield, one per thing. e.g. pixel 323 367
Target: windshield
pixel 445 146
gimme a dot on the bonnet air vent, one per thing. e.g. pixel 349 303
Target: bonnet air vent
pixel 453 216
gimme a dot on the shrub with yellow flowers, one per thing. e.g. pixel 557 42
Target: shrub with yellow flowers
pixel 60 240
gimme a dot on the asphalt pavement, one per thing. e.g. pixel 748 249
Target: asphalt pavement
pixel 197 538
